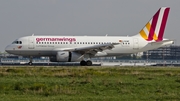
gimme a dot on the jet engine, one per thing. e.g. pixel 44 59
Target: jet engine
pixel 66 56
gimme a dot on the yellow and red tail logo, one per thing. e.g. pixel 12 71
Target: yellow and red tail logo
pixel 154 29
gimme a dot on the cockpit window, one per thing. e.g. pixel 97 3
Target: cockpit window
pixel 17 42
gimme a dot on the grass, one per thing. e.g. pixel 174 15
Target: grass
pixel 89 83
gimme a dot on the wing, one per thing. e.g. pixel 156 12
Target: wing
pixel 92 49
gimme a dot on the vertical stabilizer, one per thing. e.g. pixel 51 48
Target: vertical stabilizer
pixel 154 29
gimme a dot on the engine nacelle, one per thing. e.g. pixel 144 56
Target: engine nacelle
pixel 65 56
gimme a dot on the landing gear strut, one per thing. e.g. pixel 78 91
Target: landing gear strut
pixel 86 63
pixel 30 61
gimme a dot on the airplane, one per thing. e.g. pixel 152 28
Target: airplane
pixel 79 48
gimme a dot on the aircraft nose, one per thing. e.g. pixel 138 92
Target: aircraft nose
pixel 8 48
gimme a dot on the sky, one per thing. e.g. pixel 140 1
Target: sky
pixel 82 17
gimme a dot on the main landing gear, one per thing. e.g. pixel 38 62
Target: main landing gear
pixel 86 63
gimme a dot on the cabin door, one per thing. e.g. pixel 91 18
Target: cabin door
pixel 135 44
pixel 31 42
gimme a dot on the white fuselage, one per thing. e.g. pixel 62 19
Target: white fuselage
pixel 49 45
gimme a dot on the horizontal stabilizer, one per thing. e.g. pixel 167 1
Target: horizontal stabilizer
pixel 164 42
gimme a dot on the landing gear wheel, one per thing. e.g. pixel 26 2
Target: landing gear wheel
pixel 89 63
pixel 83 63
pixel 30 63
pixel 86 63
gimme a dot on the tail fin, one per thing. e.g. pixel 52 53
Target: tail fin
pixel 154 29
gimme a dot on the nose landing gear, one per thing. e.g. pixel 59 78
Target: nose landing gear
pixel 30 61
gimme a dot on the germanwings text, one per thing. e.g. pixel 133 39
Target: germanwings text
pixel 56 39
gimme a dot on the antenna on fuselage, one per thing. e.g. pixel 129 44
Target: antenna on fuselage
pixel 33 34
pixel 106 34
